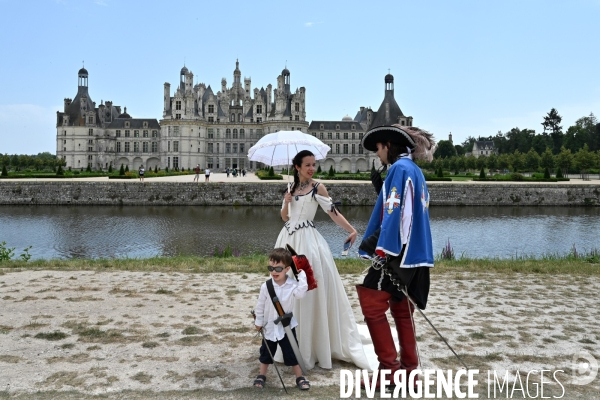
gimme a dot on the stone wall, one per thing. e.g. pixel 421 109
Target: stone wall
pixel 262 194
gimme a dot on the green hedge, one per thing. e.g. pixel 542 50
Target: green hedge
pixel 264 175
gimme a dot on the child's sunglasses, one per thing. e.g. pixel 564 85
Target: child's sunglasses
pixel 276 269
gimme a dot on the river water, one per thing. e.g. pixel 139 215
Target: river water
pixel 119 232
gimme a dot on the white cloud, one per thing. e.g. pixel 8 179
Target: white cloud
pixel 27 128
pixel 310 24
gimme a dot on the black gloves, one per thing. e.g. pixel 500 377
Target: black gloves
pixel 369 244
pixel 376 180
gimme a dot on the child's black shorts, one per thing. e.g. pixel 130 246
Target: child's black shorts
pixel 289 358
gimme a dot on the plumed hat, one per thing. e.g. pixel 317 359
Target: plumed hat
pixel 384 134
pixel 300 263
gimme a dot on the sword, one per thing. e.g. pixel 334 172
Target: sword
pixel 285 319
pixel 271 354
pixel 431 324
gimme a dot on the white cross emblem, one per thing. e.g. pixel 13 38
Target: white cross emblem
pixel 393 201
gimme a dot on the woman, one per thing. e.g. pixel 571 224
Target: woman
pixel 326 325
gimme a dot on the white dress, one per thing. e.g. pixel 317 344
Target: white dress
pixel 326 326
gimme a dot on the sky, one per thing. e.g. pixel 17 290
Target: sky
pixel 470 68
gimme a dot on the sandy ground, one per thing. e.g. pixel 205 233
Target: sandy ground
pixel 250 177
pixel 113 332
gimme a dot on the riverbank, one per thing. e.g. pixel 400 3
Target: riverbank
pixel 234 192
pixel 180 327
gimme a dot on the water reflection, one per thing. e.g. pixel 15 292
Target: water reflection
pixel 107 232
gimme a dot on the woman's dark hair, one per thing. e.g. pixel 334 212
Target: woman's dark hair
pixel 297 162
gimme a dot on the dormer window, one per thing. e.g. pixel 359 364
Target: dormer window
pixel 337 127
pixel 126 124
pixel 321 127
pixel 211 108
pixel 353 127
pixel 145 124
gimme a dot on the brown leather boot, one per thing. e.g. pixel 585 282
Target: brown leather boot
pixel 401 311
pixel 374 305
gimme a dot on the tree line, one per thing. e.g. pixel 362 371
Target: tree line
pixel 39 162
pixel 522 149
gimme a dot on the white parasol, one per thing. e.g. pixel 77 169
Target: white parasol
pixel 279 148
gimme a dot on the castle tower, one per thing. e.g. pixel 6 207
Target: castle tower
pixel 82 81
pixel 182 75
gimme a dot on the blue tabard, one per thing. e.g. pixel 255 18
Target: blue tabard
pixel 387 214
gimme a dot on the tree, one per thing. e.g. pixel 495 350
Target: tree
pixel 468 144
pixel 552 124
pixel 481 162
pixel 319 168
pixel 60 171
pixel 492 162
pixel 110 170
pixel 482 174
pixel 122 170
pixel 517 161
pixel 445 149
pixel 331 171
pixel 547 159
pixel 471 162
pixel 564 160
pixel 584 160
pixel 89 168
pixel 460 151
pixel 4 171
pixel 532 160
pixel 127 168
pixel 461 163
pixel 155 169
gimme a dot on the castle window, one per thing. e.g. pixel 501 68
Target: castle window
pixel 337 148
pixel 242 135
pixel 353 135
pixel 118 133
pixel 353 127
pixel 118 147
pixel 297 107
pixel 345 135
pixel 178 105
pixel 127 133
pixel 337 135
pixel 234 148
pixel 337 127
pixel 241 147
pixel 136 147
pixel 175 162
pixel 90 120
pixel 258 120
pixel 297 118
pixel 154 147
pixel 126 147
pixel 175 145
pixel 402 123
pixel 177 116
pixel 239 117
pixel 353 148
pixel 209 162
pixel 169 146
pixel 259 109
pixel 145 133
pixel 176 131
pixel 345 148
pixel 321 135
pixel 89 148
pixel 145 147
pixel 329 135
pixel 235 133
pixel 90 132
pixel 211 108
pixel 126 124
pixel 65 133
pixel 360 136
pixel 360 149
pixel 136 133
pixel 209 149
pixel 211 133
pixel 227 133
pixel 211 119
pixel 154 133
pixel 232 117
pixel 321 127
pixel 145 125
pixel 227 147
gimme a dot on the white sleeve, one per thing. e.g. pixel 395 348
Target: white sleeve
pixel 407 212
pixel 302 287
pixel 326 203
pixel 259 310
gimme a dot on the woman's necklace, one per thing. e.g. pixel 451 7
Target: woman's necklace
pixel 303 185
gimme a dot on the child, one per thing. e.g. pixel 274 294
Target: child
pixel 287 290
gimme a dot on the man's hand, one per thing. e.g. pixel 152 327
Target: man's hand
pixel 258 328
pixel 376 180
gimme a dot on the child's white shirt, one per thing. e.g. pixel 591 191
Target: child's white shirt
pixel 286 293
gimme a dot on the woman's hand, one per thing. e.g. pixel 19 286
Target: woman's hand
pixel 352 237
pixel 287 198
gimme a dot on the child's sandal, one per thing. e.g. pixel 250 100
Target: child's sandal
pixel 302 383
pixel 260 381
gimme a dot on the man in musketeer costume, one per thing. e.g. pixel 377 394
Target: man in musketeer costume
pixel 398 241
